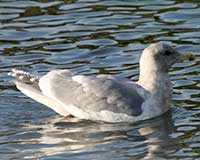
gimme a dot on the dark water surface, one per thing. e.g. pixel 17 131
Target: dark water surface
pixel 91 37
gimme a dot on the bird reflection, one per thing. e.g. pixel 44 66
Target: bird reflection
pixel 146 140
pixel 157 136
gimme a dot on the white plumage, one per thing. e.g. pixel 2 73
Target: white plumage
pixel 105 97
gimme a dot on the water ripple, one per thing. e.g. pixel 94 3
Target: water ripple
pixel 91 37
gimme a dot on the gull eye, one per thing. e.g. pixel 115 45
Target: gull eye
pixel 168 53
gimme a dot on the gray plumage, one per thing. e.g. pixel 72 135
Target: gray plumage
pixel 105 97
pixel 95 93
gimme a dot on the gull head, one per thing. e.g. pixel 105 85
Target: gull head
pixel 160 57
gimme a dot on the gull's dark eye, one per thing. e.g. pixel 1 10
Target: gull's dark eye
pixel 168 53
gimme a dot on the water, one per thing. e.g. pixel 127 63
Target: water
pixel 92 37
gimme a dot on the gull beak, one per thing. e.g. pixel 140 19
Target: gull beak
pixel 188 57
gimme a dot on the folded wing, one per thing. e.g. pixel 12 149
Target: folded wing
pixel 91 93
pixel 28 84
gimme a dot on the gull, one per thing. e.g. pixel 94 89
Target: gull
pixel 107 98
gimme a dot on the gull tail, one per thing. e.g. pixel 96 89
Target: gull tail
pixel 23 76
pixel 28 84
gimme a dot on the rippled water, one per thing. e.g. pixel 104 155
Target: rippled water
pixel 91 37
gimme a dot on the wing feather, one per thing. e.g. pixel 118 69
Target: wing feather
pixel 91 93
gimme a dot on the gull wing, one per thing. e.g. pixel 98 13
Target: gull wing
pixel 28 84
pixel 91 93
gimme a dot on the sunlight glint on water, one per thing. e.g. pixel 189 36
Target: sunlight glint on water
pixel 92 37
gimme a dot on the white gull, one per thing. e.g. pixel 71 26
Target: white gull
pixel 106 97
